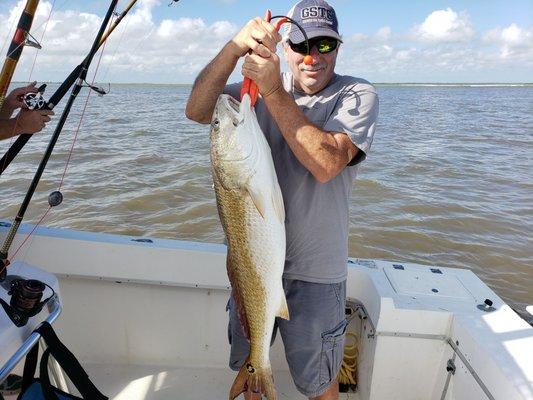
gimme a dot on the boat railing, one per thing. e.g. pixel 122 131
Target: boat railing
pixel 54 307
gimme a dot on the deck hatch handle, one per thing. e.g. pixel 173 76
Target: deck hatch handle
pixel 450 366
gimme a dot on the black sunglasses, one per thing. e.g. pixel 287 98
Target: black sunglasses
pixel 323 44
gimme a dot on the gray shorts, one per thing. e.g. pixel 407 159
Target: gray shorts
pixel 313 338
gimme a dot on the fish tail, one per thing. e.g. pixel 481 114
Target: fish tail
pixel 253 380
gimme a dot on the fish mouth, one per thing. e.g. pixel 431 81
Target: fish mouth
pixel 233 103
pixel 229 103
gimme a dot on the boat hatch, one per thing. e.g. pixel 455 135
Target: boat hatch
pixel 415 282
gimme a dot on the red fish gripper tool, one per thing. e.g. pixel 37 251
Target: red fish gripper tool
pixel 249 86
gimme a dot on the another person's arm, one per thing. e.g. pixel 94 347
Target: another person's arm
pixel 14 100
pixel 25 122
pixel 257 35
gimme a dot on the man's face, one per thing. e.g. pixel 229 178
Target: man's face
pixel 314 77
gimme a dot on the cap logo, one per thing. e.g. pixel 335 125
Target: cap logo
pixel 317 12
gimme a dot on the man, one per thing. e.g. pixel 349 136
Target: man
pixel 319 126
pixel 26 121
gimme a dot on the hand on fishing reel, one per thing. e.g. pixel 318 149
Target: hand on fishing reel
pixel 15 99
pixel 32 121
pixel 35 100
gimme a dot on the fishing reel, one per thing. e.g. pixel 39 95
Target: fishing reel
pixel 35 101
pixel 26 295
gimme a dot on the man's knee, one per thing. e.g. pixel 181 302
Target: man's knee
pixel 331 393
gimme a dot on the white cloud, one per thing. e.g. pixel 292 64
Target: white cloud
pixel 442 48
pixel 445 26
pixel 390 57
pixel 515 43
pixel 513 36
pixel 140 49
pixel 383 34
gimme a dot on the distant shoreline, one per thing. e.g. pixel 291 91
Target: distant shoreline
pixel 421 84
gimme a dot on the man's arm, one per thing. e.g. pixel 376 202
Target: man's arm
pixel 210 84
pixel 258 36
pixel 324 154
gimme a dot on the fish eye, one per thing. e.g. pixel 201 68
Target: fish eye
pixel 215 123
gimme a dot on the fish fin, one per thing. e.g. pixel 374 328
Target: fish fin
pixel 258 199
pixel 254 380
pixel 235 293
pixel 240 382
pixel 277 200
pixel 283 311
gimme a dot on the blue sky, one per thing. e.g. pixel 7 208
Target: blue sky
pixel 385 41
pixel 354 16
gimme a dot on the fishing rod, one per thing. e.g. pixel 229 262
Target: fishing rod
pixel 21 141
pixel 56 197
pixel 21 38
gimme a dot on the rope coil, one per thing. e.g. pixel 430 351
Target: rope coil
pixel 348 372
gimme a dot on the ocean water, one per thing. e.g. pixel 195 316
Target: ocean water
pixel 448 181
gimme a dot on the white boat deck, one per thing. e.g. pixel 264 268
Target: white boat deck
pixel 127 382
pixel 130 382
pixel 148 321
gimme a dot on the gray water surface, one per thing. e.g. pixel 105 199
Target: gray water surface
pixel 448 180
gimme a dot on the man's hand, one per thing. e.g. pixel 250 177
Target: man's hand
pixel 31 121
pixel 257 35
pixel 264 71
pixel 15 99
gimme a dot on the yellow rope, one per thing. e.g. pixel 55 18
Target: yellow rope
pixel 348 372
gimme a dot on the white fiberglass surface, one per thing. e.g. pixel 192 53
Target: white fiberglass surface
pixel 127 382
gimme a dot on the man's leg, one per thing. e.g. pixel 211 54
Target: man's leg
pixel 332 393
pixel 314 336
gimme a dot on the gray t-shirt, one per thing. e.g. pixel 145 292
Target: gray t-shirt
pixel 317 213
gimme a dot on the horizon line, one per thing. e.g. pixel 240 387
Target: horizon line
pixel 374 83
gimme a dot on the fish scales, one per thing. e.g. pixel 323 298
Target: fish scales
pixel 251 211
